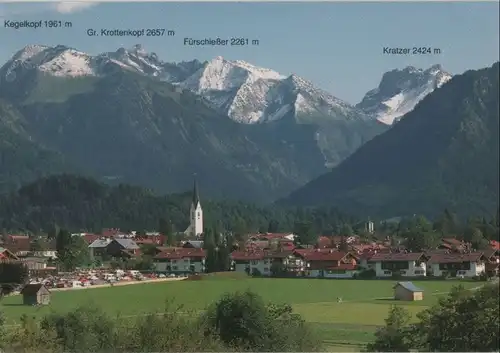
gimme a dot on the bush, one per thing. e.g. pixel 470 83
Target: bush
pixel 366 274
pixel 245 322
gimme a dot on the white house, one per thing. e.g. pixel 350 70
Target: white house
pixel 401 264
pixel 327 263
pixel 180 260
pixel 461 265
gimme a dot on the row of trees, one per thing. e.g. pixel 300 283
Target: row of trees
pixel 237 322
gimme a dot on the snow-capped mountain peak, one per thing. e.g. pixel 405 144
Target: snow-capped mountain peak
pixel 400 90
pixel 245 92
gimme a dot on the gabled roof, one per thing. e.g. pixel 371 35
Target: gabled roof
pixel 322 254
pixel 403 257
pixel 180 253
pixel 247 255
pixel 128 244
pixel 32 289
pixel 194 243
pixel 409 286
pixel 456 258
pixel 99 243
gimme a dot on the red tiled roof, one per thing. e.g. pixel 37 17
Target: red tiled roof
pixel 322 255
pixel 495 244
pixel 247 255
pixel 456 258
pixel 19 237
pixel 90 238
pixel 379 257
pixel 453 241
pixel 180 253
pixel 155 239
pixel 18 243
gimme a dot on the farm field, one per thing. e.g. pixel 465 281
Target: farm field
pixel 342 326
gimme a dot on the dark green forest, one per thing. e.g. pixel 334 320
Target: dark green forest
pixel 83 204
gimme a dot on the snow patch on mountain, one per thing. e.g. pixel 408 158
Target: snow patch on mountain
pixel 69 63
pixel 400 91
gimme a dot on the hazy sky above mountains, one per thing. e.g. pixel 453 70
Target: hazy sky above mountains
pixel 338 46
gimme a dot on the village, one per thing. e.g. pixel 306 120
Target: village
pixel 268 254
pixel 112 251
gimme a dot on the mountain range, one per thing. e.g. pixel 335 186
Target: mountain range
pixel 443 154
pixel 127 116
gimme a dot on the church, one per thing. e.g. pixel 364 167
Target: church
pixel 195 228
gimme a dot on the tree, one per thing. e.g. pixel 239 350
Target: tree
pixel 210 246
pixel 72 251
pixel 447 224
pixel 343 246
pixel 52 232
pixel 304 234
pixel 476 238
pixel 243 320
pixel 165 228
pixel 12 275
pixel 346 230
pixel 421 240
pixel 393 336
pixel 273 226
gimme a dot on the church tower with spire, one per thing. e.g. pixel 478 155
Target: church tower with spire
pixel 195 214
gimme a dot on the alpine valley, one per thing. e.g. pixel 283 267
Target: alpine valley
pixel 126 116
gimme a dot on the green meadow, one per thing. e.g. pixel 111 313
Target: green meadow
pixel 342 326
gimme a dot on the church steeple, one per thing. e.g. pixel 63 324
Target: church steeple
pixel 196 196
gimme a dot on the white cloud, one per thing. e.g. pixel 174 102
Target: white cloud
pixel 69 7
pixel 21 8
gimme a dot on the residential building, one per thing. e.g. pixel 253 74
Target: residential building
pixel 327 263
pixel 401 264
pixel 261 262
pixel 20 245
pixel 461 265
pixel 180 260
pixel 108 247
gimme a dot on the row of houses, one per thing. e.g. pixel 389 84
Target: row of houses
pixel 330 263
pixel 271 253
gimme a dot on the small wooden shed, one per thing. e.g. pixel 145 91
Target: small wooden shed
pixel 407 291
pixel 35 294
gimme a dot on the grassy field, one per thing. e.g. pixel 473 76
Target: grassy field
pixel 343 326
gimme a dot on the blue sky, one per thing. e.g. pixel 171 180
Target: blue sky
pixel 338 46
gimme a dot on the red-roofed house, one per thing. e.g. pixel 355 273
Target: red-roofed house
pixel 327 263
pixel 7 255
pixel 180 260
pixel 462 265
pixel 258 261
pixel 19 245
pixel 402 264
pixel 90 238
